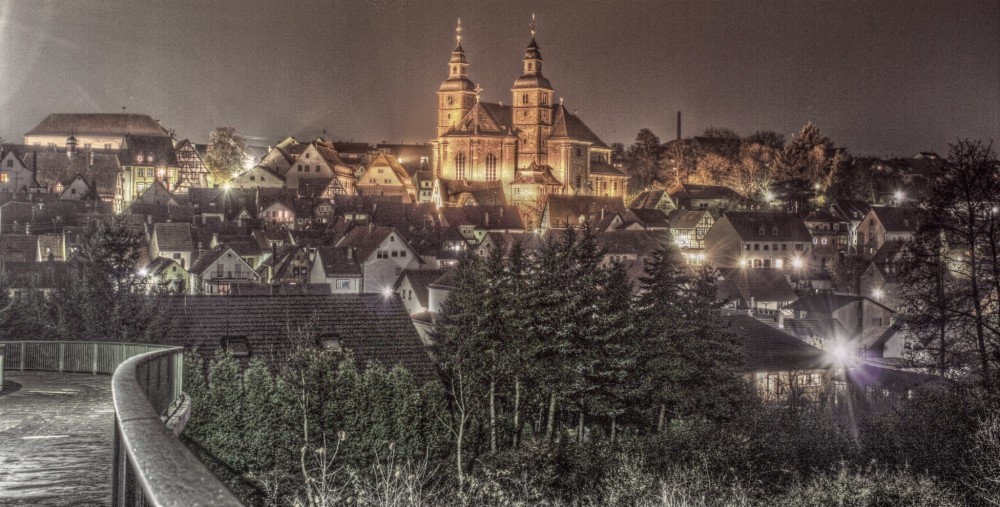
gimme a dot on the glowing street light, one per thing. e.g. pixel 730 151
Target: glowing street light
pixel 797 263
pixel 841 353
pixel 877 294
pixel 387 292
pixel 900 196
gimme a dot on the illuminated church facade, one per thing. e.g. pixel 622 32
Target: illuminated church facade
pixel 531 147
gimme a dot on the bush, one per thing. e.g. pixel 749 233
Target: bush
pixel 870 488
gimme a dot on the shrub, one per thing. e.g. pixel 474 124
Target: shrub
pixel 870 487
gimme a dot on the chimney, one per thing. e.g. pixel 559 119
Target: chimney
pixel 350 253
pixel 91 157
pixel 678 125
pixel 501 211
pixel 274 251
pixel 781 320
pixel 487 219
pixel 371 227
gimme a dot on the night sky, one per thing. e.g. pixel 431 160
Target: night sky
pixel 879 77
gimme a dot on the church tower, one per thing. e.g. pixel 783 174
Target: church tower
pixel 457 94
pixel 532 105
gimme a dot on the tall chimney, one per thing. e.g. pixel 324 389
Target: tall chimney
pixel 678 125
pixel 781 320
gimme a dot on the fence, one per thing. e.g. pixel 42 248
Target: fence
pixel 151 466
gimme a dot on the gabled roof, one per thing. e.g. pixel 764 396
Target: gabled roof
pixel 598 168
pixel 419 280
pixel 692 191
pixel 827 303
pixel 768 226
pixel 759 284
pixel 652 199
pixel 159 265
pixel 826 328
pixel 174 237
pixel 153 150
pixel 683 219
pixel 496 218
pixel 569 125
pixel 486 118
pixel 373 328
pixel 52 168
pixel 365 240
pixel 650 218
pixel 768 349
pixel 98 124
pixel 566 210
pixel 485 193
pixel 897 219
pixel 338 261
pixel 207 259
pixel 867 375
pixel 38 275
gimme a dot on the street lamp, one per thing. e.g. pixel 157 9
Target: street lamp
pixel 900 196
pixel 877 294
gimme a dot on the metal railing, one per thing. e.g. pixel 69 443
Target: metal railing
pixel 151 466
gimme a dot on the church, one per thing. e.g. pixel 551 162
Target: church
pixel 528 149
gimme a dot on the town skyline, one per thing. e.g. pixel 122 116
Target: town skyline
pixel 879 81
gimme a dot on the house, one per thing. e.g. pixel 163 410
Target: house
pixel 564 211
pixel 649 219
pixel 318 159
pixel 258 176
pixel 92 131
pixel 781 367
pixel 51 247
pixel 653 199
pixel 101 170
pixel 885 386
pixel 689 228
pixel 829 238
pixel 383 254
pixel 75 189
pixel 689 196
pixel 18 247
pixel 339 268
pixel 758 239
pixel 851 212
pixel 370 328
pixel 145 160
pixel 423 182
pixel 292 266
pixel 45 277
pixel 413 289
pixel 473 222
pixel 168 273
pixel 216 270
pixel 191 168
pixel 880 280
pixel 884 224
pixel 762 291
pixel 627 245
pixel 385 176
pixel 862 317
pixel 173 241
pixel 15 175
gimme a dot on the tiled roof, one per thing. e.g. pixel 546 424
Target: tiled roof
pixel 827 328
pixel 605 169
pixel 485 193
pixel 419 280
pixel 160 264
pixel 826 303
pixel 18 247
pixel 683 219
pixel 767 348
pixel 649 199
pixel 98 124
pixel 205 260
pixel 338 262
pixel 650 217
pixel 760 284
pixel 867 375
pixel 495 218
pixel 52 168
pixel 536 174
pixel 897 219
pixel 692 191
pixel 768 226
pixel 569 125
pixel 445 281
pixel 174 237
pixel 375 329
pixel 38 275
pixel 154 150
pixel 566 210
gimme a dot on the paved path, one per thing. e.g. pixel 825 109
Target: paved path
pixel 56 439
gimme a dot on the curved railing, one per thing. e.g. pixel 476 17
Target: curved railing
pixel 151 466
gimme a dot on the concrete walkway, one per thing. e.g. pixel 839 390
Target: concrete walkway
pixel 56 438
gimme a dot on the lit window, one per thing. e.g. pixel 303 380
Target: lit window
pixel 491 167
pixel 460 166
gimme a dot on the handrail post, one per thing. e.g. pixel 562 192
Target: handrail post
pixel 62 356
pixel 94 367
pixel 22 356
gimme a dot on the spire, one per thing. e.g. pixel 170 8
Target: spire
pixel 532 26
pixel 458 33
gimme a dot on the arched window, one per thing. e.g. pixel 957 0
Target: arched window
pixel 491 167
pixel 524 99
pixel 460 166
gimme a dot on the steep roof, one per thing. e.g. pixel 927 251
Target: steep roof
pixel 419 280
pixel 18 247
pixel 375 329
pixel 767 348
pixel 338 261
pixel 485 193
pixel 768 226
pixel 651 217
pixel 683 219
pixel 52 168
pixel 567 209
pixel 640 243
pixel 98 124
pixel 651 199
pixel 569 125
pixel 692 191
pixel 827 303
pixel 174 237
pixel 867 375
pixel 828 328
pixel 148 150
pixel 486 118
pixel 495 218
pixel 897 219
pixel 37 275
pixel 365 240
pixel 206 259
pixel 536 174
pixel 759 284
